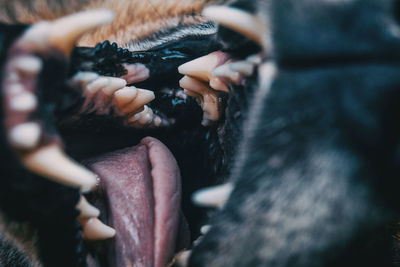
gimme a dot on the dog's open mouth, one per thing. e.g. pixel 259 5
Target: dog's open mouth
pixel 188 104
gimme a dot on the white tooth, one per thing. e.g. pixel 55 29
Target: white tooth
pixel 97 84
pixel 28 65
pixel 243 67
pixel 245 23
pixel 23 102
pixel 218 85
pixel 146 116
pixel 113 85
pixel 52 163
pixel 255 59
pixel 25 135
pixel 85 77
pixel 214 197
pixel 182 259
pixel 204 229
pixel 157 121
pixel 94 229
pixel 67 30
pixel 87 210
pixel 142 98
pixel 208 98
pixel 202 67
pixel 226 72
pixel 125 95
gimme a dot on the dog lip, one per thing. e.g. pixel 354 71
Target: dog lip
pixel 143 189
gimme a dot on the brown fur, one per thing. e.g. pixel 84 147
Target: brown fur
pixel 135 18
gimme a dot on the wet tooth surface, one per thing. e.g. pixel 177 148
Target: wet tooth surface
pixel 214 197
pixel 245 23
pixel 94 229
pixel 51 162
pixel 86 209
pixel 25 135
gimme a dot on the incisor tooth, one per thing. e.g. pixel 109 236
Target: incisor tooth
pixel 146 116
pixel 142 98
pixel 25 136
pixel 113 85
pixel 87 210
pixel 125 95
pixel 25 101
pixel 67 30
pixel 94 229
pixel 85 77
pixel 204 229
pixel 203 67
pixel 51 162
pixel 215 196
pixel 96 85
pixel 245 23
pixel 28 65
pixel 208 98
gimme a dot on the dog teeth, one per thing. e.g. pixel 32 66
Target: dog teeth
pixel 208 99
pixel 182 260
pixel 28 65
pixel 245 23
pixel 94 229
pixel 142 118
pixel 242 67
pixel 52 163
pixel 100 83
pixel 67 30
pixel 86 210
pixel 202 67
pixel 125 95
pixel 25 101
pixel 142 98
pixel 213 197
pixel 113 85
pixel 204 229
pixel 84 77
pixel 25 135
pixel 226 72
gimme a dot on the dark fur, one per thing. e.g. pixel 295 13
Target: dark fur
pixel 318 179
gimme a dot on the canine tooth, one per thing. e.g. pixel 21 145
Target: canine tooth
pixel 245 23
pixel 28 65
pixel 113 85
pixel 142 98
pixel 23 102
pixel 87 210
pixel 243 67
pixel 25 135
pixel 226 72
pixel 215 196
pixel 125 95
pixel 203 67
pixel 204 229
pixel 15 89
pixel 94 229
pixel 67 30
pixel 52 163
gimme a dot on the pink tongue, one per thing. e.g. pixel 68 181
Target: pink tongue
pixel 143 188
